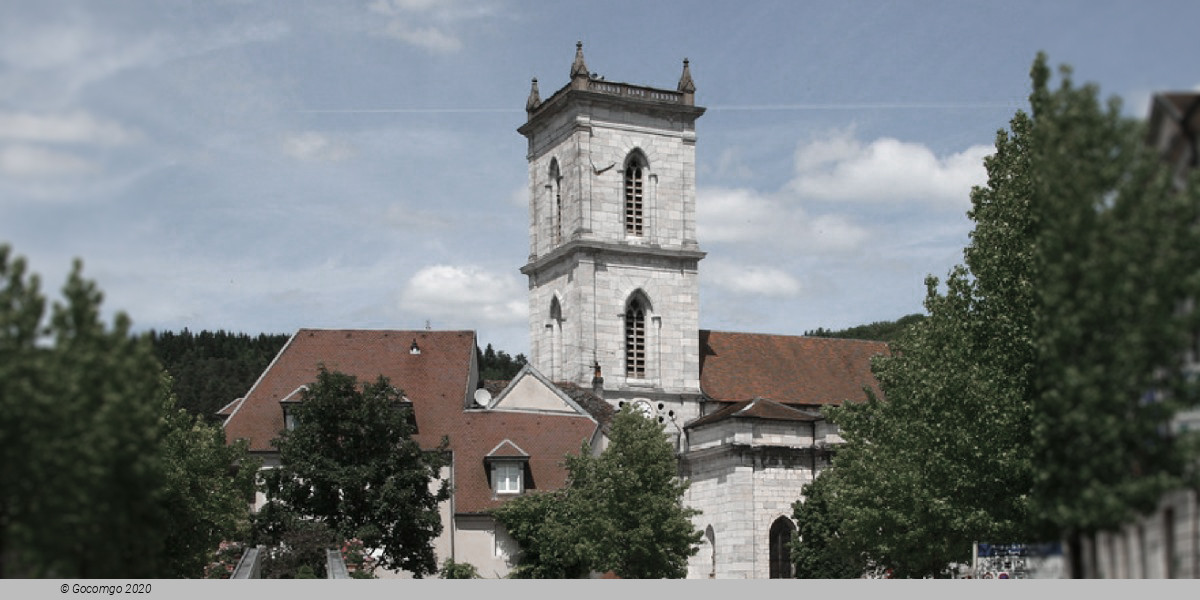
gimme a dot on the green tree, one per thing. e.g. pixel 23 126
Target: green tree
pixel 883 331
pixel 208 369
pixel 546 526
pixel 497 365
pixel 351 463
pixel 1119 256
pixel 639 526
pixel 99 471
pixel 621 511
pixel 209 485
pixel 1032 401
pixel 458 570
pixel 820 550
pixel 945 461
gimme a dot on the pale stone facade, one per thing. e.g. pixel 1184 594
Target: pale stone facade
pixel 586 266
pixel 743 487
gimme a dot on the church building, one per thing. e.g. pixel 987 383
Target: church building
pixel 614 305
pixel 614 312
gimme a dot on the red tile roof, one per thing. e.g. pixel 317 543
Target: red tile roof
pixel 435 380
pixel 507 449
pixel 438 381
pixel 758 408
pixel 797 370
pixel 547 438
pixel 229 408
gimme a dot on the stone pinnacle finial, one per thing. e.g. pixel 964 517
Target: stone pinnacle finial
pixel 686 85
pixel 535 99
pixel 579 70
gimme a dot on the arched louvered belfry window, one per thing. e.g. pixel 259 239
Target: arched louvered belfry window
pixel 782 532
pixel 635 337
pixel 556 201
pixel 635 193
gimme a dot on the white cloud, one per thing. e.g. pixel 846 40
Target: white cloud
pixel 415 219
pixel 886 171
pixel 751 279
pixel 430 38
pixel 33 162
pixel 736 215
pixel 395 6
pixel 730 164
pixel 73 127
pixel 429 24
pixel 313 146
pixel 464 294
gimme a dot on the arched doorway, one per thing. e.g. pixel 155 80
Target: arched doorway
pixel 782 533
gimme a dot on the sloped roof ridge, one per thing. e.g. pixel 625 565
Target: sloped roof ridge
pixel 231 406
pixel 508 442
pixel 386 330
pixel 260 377
pixel 796 335
pixel 528 370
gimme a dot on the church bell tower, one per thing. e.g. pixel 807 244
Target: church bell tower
pixel 613 257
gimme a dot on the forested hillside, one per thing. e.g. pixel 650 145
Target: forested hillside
pixel 497 364
pixel 883 331
pixel 210 369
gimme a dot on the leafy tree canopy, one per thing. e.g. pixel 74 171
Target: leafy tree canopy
pixel 351 463
pixel 820 551
pixel 497 365
pixel 102 476
pixel 1031 401
pixel 209 369
pixel 621 511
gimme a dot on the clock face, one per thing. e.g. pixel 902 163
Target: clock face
pixel 644 408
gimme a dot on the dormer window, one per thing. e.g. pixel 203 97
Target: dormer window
pixel 507 465
pixel 289 404
pixel 506 477
pixel 289 418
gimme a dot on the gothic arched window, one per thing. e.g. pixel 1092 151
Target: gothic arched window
pixel 556 200
pixel 711 537
pixel 635 338
pixel 554 328
pixel 635 187
pixel 782 532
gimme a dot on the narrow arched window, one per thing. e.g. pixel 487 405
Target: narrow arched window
pixel 635 173
pixel 556 200
pixel 556 349
pixel 711 537
pixel 635 339
pixel 782 532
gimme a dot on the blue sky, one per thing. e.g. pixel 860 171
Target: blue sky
pixel 265 166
